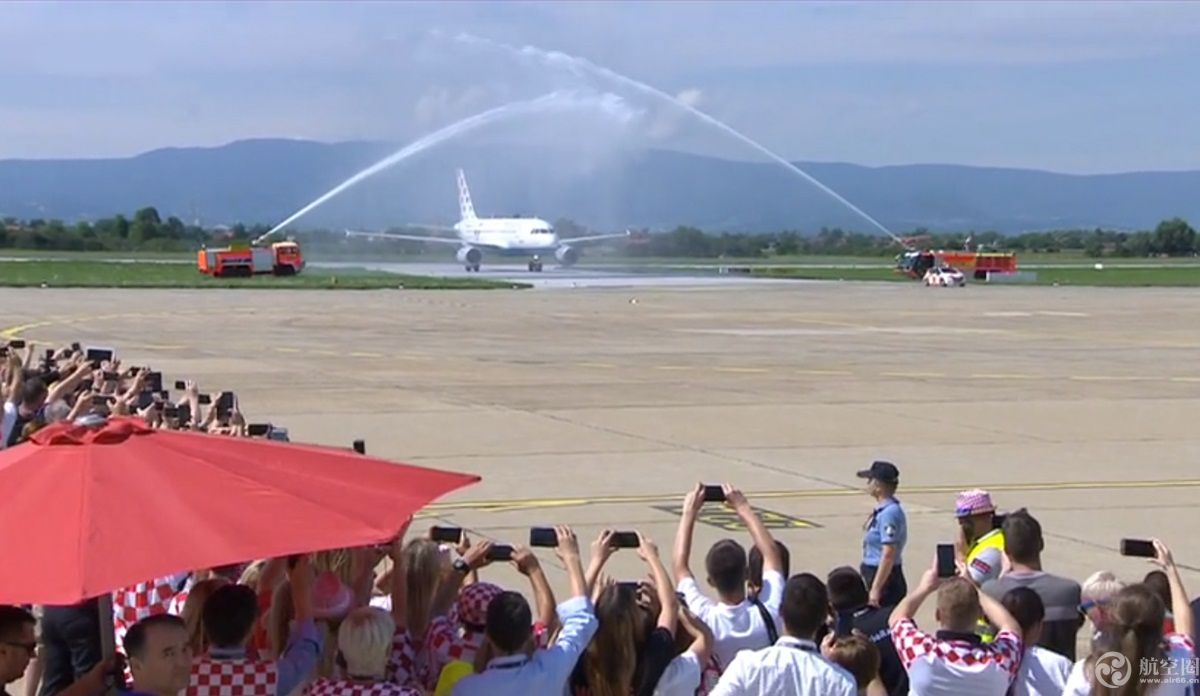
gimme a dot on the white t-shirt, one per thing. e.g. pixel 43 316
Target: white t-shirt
pixel 1043 673
pixel 740 626
pixel 791 667
pixel 682 676
pixel 1180 650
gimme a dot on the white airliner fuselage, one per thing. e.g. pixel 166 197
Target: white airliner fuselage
pixel 506 236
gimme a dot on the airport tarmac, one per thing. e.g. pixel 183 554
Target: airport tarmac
pixel 588 408
pixel 558 277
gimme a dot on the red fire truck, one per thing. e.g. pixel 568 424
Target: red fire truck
pixel 244 260
pixel 978 264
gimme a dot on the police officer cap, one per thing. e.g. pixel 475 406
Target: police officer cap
pixel 881 471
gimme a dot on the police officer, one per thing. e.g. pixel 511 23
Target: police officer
pixel 886 532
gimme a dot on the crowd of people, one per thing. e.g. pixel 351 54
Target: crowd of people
pixel 44 385
pixel 418 616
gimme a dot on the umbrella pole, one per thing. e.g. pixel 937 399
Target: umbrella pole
pixel 108 638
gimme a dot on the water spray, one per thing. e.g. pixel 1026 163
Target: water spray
pixel 609 104
pixel 578 67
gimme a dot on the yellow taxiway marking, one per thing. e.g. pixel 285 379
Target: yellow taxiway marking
pixel 599 366
pixel 672 368
pixel 366 355
pixel 916 375
pixel 826 373
pixel 742 370
pixel 539 503
pixel 282 349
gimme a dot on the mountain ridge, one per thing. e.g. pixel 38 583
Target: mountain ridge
pixel 263 180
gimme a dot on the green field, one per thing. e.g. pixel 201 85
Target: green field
pixel 145 274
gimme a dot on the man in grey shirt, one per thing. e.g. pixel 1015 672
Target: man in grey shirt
pixel 1023 544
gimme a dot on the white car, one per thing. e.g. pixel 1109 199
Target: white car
pixel 945 277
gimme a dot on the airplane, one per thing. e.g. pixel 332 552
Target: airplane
pixel 517 236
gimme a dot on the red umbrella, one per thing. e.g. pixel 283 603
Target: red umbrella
pixel 90 510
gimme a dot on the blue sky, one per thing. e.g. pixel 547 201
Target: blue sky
pixel 1075 87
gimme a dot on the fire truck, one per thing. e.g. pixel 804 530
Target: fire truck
pixel 978 264
pixel 244 260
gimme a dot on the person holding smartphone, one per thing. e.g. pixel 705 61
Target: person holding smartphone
pixel 737 623
pixel 955 660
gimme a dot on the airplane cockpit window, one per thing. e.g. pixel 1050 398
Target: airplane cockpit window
pixel 542 231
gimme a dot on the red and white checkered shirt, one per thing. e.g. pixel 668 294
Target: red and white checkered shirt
pixel 956 664
pixel 330 687
pixel 232 678
pixel 410 663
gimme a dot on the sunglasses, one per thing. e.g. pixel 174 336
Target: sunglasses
pixel 1091 604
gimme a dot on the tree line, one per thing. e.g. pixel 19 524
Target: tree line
pixel 147 231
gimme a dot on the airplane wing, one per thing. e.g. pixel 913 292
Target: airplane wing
pixel 595 237
pixel 406 237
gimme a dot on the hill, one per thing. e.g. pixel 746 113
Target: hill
pixel 262 181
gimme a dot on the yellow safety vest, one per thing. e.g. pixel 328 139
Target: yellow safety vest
pixel 992 540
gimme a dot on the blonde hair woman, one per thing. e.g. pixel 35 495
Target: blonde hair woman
pixel 365 642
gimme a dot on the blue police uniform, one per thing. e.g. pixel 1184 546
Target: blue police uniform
pixel 887 526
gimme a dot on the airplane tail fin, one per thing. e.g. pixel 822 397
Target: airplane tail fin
pixel 465 208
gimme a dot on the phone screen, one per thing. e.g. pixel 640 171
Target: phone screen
pixel 451 535
pixel 500 553
pixel 714 494
pixel 945 561
pixel 1140 548
pixel 544 537
pixel 625 540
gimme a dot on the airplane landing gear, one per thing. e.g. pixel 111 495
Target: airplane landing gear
pixel 535 265
pixel 472 267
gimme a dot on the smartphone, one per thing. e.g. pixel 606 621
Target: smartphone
pixel 544 537
pixel 111 376
pixel 1141 548
pixel 170 412
pixel 17 343
pixel 360 446
pixel 451 535
pixel 154 381
pixel 97 356
pixel 714 494
pixel 625 540
pixel 99 400
pixel 500 552
pixel 204 399
pixel 184 413
pixel 945 561
pixel 76 347
pixel 49 355
pixel 225 402
pixel 180 384
pixel 144 400
pixel 258 429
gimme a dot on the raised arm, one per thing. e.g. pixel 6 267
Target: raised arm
pixel 1185 621
pixel 16 377
pixel 911 604
pixel 692 503
pixel 703 640
pixel 602 550
pixel 996 614
pixel 543 596
pixel 62 387
pixel 668 614
pixel 758 531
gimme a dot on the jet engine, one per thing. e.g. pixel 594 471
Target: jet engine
pixel 566 255
pixel 470 257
